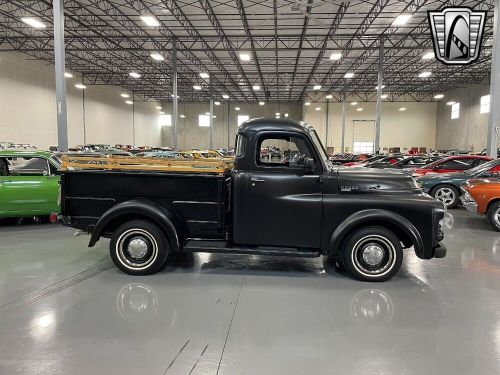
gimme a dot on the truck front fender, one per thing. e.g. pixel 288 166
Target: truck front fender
pixel 376 217
pixel 136 208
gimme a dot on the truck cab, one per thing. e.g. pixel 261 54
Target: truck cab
pixel 283 197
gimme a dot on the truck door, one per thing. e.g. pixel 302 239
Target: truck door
pixel 280 199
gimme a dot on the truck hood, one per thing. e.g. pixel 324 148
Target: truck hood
pixel 368 180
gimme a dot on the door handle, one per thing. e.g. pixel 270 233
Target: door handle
pixel 255 180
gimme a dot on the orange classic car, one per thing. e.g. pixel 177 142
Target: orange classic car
pixel 482 196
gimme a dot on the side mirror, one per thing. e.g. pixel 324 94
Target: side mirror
pixel 309 163
pixel 45 173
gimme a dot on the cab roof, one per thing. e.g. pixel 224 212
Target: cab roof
pixel 265 124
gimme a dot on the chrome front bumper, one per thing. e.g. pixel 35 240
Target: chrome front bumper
pixel 467 201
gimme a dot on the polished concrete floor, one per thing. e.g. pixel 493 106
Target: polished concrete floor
pixel 65 309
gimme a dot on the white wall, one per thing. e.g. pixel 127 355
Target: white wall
pixel 469 131
pixel 28 109
pixel 415 127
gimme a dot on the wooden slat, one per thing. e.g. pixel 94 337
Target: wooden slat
pixel 125 163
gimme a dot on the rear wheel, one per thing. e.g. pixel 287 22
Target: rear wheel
pixel 139 247
pixel 447 194
pixel 493 215
pixel 372 254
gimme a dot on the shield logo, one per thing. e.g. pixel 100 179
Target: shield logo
pixel 457 33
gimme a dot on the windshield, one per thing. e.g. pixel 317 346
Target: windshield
pixel 321 150
pixel 483 167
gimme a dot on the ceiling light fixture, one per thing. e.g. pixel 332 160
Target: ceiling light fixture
pixel 134 75
pixel 68 75
pixel 439 96
pixel 278 114
pixel 125 95
pixel 244 56
pixel 307 103
pixel 318 108
pixel 354 103
pixel 33 22
pixel 256 87
pixel 217 103
pixel 204 75
pixel 182 116
pixel 80 86
pixel 158 107
pixel 384 96
pixel 197 87
pixel 150 21
pixel 317 87
pixel 261 103
pixel 286 114
pixel 129 102
pixel 225 96
pixel 428 56
pixel 236 108
pixel 335 56
pixel 376 87
pixel 329 96
pixel 425 74
pixel 359 109
pixel 349 75
pixel 401 19
pixel 451 103
pixel 402 109
pixel 156 56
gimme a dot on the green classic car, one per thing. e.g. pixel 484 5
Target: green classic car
pixel 29 183
pixel 446 187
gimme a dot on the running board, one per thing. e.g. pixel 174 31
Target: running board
pixel 205 246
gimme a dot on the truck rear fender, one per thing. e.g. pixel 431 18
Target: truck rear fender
pixel 134 209
pixel 401 226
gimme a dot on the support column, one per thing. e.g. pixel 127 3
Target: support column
pixel 344 109
pixel 379 95
pixel 228 126
pixel 326 124
pixel 211 117
pixel 494 118
pixel 174 93
pixel 133 119
pixel 59 54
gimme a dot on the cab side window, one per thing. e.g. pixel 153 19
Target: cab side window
pixel 4 167
pixel 30 167
pixel 283 151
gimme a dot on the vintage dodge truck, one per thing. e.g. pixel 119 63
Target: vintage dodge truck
pixel 293 203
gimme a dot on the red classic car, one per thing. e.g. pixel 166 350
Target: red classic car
pixel 452 164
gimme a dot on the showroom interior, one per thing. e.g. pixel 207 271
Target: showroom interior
pixel 249 187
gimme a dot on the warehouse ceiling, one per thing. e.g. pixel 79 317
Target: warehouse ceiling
pixel 288 43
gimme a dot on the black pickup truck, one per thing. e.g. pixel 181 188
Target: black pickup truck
pixel 362 219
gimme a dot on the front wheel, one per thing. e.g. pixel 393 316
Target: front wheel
pixel 447 194
pixel 372 254
pixel 139 247
pixel 493 215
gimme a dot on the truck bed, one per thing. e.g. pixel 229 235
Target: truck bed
pixel 199 201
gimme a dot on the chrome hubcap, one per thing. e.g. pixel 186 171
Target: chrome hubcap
pixel 137 248
pixel 445 195
pixel 496 217
pixel 373 255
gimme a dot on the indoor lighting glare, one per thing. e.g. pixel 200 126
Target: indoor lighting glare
pixel 33 22
pixel 134 75
pixel 317 87
pixel 236 108
pixel 225 96
pixel 278 114
pixel 214 116
pixel 376 87
pixel 451 103
pixel 439 96
pixel 428 56
pixel 286 114
pixel 80 86
pixel 172 95
pixel 158 107
pixel 384 96
pixel 318 108
pixel 182 116
pixel 354 103
pixel 402 109
pixel 359 109
pixel 125 95
pixel 256 87
pixel 130 102
pixel 156 56
pixel 307 103
pixel 329 96
pixel 335 56
pixel 217 103
pixel 162 113
pixel 349 75
pixel 425 74
pixel 244 56
pixel 204 75
pixel 261 103
pixel 207 113
pixel 197 87
pixel 68 75
pixel 401 19
pixel 150 21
